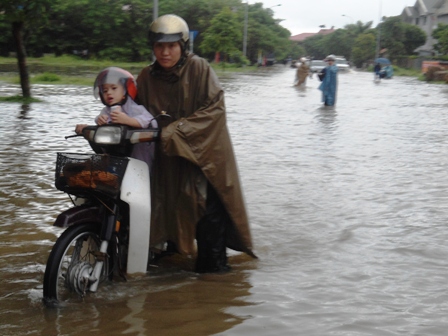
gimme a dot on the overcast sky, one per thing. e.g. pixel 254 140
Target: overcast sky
pixel 305 16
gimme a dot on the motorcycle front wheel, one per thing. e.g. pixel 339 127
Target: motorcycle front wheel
pixel 73 255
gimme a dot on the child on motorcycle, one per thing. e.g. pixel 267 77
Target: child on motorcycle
pixel 117 89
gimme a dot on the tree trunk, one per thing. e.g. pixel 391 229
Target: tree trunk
pixel 21 59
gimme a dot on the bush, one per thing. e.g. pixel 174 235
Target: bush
pixel 118 54
pixel 238 59
pixel 47 77
pixel 19 99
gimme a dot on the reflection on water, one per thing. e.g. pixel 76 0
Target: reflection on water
pixel 24 111
pixel 162 305
pixel 327 116
pixel 347 207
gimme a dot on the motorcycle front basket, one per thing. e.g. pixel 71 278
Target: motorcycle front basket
pixel 78 174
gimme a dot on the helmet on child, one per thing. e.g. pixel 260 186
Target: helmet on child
pixel 169 28
pixel 115 75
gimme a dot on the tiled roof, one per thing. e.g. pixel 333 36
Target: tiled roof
pixel 304 36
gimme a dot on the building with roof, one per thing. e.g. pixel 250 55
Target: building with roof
pixel 426 14
pixel 304 36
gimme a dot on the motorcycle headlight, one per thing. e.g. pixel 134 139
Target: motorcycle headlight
pixel 108 135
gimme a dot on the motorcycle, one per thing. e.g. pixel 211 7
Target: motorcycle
pixel 107 229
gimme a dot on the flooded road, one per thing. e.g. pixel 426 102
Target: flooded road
pixel 348 209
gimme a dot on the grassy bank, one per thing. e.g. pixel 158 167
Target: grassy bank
pixel 408 72
pixel 64 70
pixel 404 72
pixel 69 63
pixel 72 70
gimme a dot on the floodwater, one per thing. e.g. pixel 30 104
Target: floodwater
pixel 348 209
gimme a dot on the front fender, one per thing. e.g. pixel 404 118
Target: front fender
pixel 79 214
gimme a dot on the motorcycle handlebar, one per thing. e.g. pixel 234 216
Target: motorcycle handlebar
pixel 72 136
pixel 125 133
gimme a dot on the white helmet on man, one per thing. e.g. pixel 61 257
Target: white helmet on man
pixel 169 28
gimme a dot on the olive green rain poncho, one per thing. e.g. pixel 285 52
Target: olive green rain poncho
pixel 195 146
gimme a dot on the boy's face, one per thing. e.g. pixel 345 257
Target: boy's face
pixel 113 93
pixel 167 53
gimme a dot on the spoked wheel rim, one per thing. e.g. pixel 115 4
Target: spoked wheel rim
pixel 71 263
pixel 78 258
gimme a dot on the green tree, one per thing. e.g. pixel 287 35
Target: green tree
pixel 338 43
pixel 264 33
pixel 398 37
pixel 359 28
pixel 414 37
pixel 363 49
pixel 198 14
pixel 131 39
pixel 22 15
pixel 114 29
pixel 222 33
pixel 441 34
pixel 296 51
pixel 315 46
pixel 392 36
pixel 117 29
pixel 280 44
pixel 353 32
pixel 5 36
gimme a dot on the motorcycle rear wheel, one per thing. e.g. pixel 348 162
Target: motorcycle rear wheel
pixel 73 252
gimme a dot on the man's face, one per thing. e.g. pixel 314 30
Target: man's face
pixel 167 53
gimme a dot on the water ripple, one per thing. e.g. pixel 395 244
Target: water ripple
pixel 348 209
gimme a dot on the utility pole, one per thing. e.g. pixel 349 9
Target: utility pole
pixel 245 29
pixel 353 21
pixel 155 15
pixel 155 10
pixel 378 38
pixel 274 6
